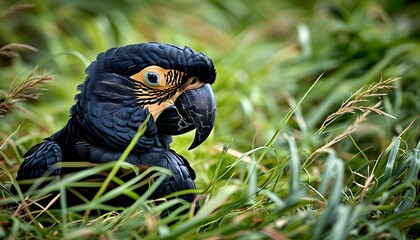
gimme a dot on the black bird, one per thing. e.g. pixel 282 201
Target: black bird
pixel 123 86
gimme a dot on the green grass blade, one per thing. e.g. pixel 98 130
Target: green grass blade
pixel 294 164
pixel 391 159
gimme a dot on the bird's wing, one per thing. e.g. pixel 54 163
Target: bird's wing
pixel 39 160
pixel 182 177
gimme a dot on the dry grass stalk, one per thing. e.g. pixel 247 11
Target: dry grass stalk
pixel 13 49
pixel 349 130
pixel 355 101
pixel 354 104
pixel 16 8
pixel 25 90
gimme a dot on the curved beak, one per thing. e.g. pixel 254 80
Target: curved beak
pixel 193 109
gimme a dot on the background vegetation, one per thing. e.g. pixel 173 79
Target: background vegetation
pixel 285 160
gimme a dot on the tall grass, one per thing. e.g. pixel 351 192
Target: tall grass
pixel 316 137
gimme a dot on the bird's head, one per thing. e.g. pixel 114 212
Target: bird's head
pixel 125 84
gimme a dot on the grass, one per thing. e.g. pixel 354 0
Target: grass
pixel 317 130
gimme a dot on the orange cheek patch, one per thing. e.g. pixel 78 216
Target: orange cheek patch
pixel 158 96
pixel 156 109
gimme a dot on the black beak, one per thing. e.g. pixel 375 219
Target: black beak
pixel 194 109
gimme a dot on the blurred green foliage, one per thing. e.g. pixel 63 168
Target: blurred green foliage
pixel 267 55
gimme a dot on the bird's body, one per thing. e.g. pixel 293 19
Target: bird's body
pixel 123 86
pixel 62 147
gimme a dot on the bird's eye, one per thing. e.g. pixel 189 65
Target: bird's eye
pixel 152 78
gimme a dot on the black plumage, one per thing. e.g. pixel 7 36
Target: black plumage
pixel 116 97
